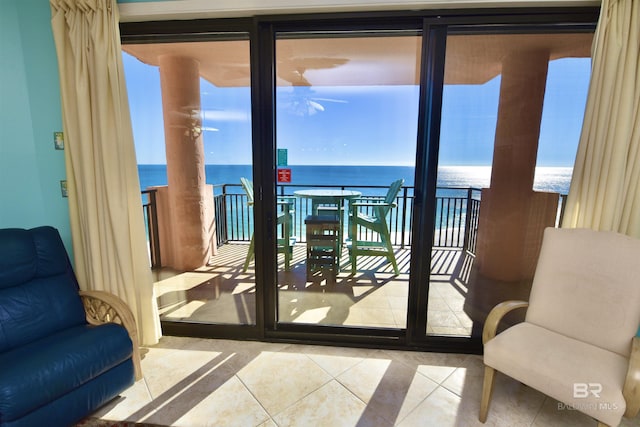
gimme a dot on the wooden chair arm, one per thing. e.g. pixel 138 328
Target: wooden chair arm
pixel 368 199
pixel 289 200
pixel 631 390
pixel 286 204
pixel 103 307
pixel 374 204
pixel 496 314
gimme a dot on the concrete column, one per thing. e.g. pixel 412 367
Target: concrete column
pixel 506 210
pixel 191 226
pixel 524 79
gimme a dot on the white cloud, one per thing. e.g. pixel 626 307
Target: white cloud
pixel 225 115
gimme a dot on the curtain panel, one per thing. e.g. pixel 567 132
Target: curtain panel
pixel 107 225
pixel 605 187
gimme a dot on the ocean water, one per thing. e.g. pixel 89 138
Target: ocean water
pixel 453 182
pixel 553 179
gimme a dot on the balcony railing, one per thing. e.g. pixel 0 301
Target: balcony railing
pixel 456 219
pixel 150 211
pixel 456 223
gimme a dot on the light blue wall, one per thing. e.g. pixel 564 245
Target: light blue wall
pixel 30 167
pixel 30 112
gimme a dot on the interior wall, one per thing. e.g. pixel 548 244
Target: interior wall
pixel 145 10
pixel 30 112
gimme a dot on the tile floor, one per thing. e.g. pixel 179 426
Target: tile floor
pixel 201 382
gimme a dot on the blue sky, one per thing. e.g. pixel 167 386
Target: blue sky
pixel 373 125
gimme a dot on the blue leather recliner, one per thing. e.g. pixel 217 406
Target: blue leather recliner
pixel 63 352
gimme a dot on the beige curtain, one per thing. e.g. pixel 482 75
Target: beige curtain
pixel 105 205
pixel 605 188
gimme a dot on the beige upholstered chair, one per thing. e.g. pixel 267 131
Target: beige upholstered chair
pixel 578 342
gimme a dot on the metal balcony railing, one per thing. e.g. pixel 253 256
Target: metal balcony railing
pixel 150 211
pixel 455 226
pixel 456 217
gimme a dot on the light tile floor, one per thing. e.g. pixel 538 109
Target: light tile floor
pixel 196 382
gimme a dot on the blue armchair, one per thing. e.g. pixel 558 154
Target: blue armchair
pixel 63 352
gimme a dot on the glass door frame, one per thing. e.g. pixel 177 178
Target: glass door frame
pixel 434 26
pixel 203 31
pixel 268 33
pixel 431 89
pixel 436 32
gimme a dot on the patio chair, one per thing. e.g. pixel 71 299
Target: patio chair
pixel 371 213
pixel 285 219
pixel 578 341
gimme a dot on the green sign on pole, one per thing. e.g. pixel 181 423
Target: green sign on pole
pixel 282 157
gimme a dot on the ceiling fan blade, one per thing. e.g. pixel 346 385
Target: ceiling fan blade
pixel 314 63
pixel 292 69
pixel 340 101
pixel 315 105
pixel 295 77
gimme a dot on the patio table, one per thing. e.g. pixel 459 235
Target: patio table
pixel 333 197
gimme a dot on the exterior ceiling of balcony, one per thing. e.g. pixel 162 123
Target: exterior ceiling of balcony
pixel 387 60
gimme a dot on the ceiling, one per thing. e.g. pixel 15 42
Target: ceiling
pixel 386 60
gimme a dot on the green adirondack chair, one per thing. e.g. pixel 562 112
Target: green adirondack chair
pixel 371 214
pixel 284 219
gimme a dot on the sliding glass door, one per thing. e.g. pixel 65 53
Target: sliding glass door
pixel 191 113
pixel 346 119
pixel 511 115
pixel 370 179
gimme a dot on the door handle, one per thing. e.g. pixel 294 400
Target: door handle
pixel 269 222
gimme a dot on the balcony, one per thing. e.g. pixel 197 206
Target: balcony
pixel 222 292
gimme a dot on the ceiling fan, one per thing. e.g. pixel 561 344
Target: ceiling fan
pixel 196 118
pixel 301 99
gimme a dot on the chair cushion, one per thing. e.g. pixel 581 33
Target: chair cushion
pixel 586 287
pixel 38 308
pixel 552 363
pixel 40 372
